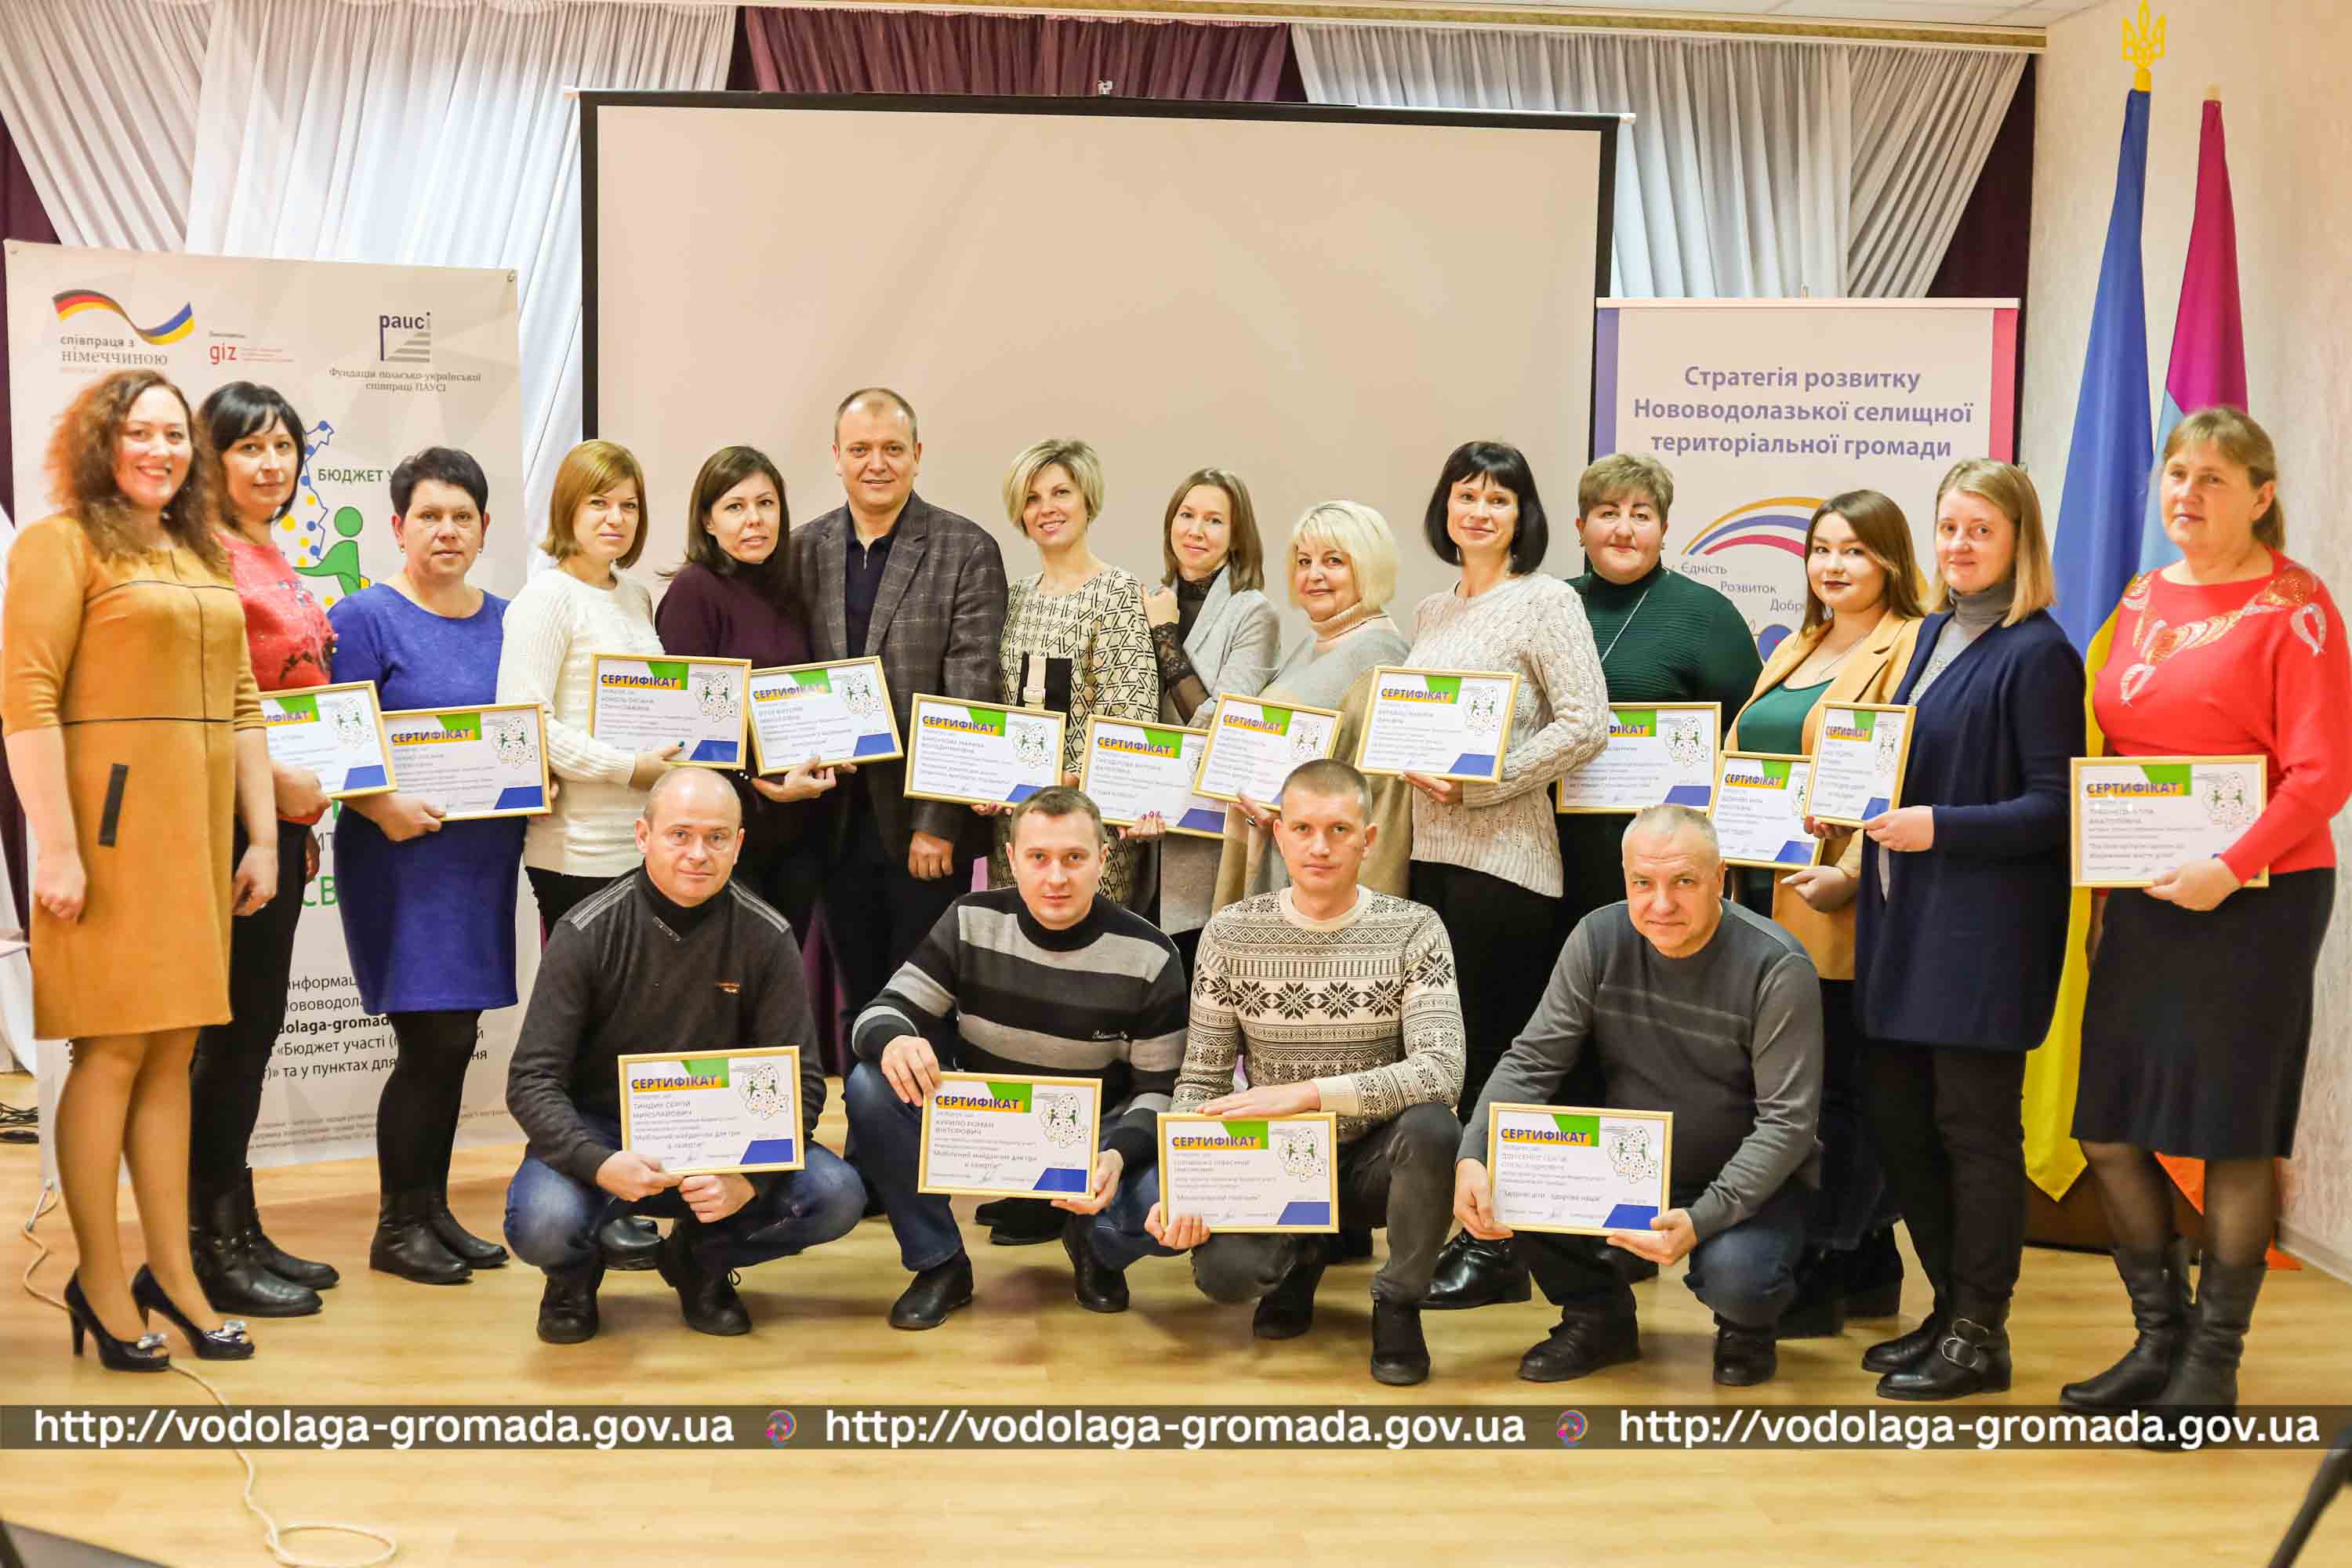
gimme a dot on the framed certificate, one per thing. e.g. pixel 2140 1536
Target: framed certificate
pixel 715 1113
pixel 2137 818
pixel 1659 753
pixel 981 752
pixel 1858 762
pixel 653 704
pixel 336 732
pixel 1441 723
pixel 986 1136
pixel 1278 1174
pixel 1580 1171
pixel 473 762
pixel 1254 745
pixel 837 713
pixel 1759 810
pixel 1132 770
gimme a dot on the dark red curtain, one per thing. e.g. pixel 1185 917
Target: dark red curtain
pixel 1988 254
pixel 21 217
pixel 794 50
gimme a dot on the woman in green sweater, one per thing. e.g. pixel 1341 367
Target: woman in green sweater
pixel 1663 637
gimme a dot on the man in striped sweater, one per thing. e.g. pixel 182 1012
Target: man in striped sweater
pixel 1042 978
pixel 1340 999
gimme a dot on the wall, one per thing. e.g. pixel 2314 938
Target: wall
pixel 2279 66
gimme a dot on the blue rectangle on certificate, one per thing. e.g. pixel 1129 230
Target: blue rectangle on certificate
pixel 1696 796
pixel 1304 1212
pixel 1202 821
pixel 1022 792
pixel 872 745
pixel 520 798
pixel 1478 762
pixel 768 1152
pixel 1630 1217
pixel 369 777
pixel 717 751
pixel 1879 806
pixel 1796 852
pixel 1064 1179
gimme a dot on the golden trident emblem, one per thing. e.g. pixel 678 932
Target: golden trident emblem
pixel 2143 46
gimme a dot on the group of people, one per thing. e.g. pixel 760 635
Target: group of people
pixel 1841 1046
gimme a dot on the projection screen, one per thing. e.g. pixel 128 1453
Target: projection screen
pixel 1325 300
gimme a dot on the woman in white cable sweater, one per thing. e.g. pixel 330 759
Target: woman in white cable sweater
pixel 595 526
pixel 1486 856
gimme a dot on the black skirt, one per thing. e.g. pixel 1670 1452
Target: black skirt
pixel 2197 1025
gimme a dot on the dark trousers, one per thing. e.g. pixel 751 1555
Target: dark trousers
pixel 1506 943
pixel 417 1115
pixel 1745 1273
pixel 1855 1199
pixel 1400 1174
pixel 1951 1134
pixel 558 893
pixel 875 912
pixel 786 875
pixel 231 1059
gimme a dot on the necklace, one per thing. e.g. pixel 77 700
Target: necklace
pixel 1623 624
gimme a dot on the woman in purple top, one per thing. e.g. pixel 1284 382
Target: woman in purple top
pixel 733 599
pixel 428 907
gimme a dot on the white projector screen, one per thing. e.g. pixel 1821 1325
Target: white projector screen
pixel 1324 300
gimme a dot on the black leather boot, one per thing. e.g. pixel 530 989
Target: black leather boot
pixel 472 1249
pixel 706 1295
pixel 628 1243
pixel 1582 1344
pixel 1025 1221
pixel 1400 1353
pixel 1098 1286
pixel 933 1294
pixel 2206 1376
pixel 2158 1283
pixel 1744 1356
pixel 270 1256
pixel 233 1280
pixel 1475 1273
pixel 1287 1311
pixel 404 1243
pixel 567 1305
pixel 1908 1350
pixel 1971 1358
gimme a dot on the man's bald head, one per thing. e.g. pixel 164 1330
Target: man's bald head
pixel 689 832
pixel 692 789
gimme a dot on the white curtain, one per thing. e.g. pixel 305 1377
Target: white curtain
pixel 101 98
pixel 1752 169
pixel 434 133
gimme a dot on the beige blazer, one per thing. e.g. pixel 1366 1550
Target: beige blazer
pixel 1870 674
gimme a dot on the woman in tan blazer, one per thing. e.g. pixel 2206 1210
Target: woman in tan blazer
pixel 1863 611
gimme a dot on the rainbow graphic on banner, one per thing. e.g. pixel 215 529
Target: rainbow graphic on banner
pixel 1770 524
pixel 73 302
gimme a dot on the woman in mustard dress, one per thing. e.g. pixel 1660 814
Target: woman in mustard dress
pixel 134 736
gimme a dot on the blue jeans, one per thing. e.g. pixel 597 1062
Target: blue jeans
pixel 551 1219
pixel 1745 1273
pixel 1117 1235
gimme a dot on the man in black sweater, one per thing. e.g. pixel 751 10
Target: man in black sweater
pixel 1044 978
pixel 671 957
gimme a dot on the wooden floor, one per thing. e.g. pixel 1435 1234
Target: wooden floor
pixel 819 1336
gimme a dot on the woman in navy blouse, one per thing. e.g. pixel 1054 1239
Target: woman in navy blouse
pixel 1962 932
pixel 428 907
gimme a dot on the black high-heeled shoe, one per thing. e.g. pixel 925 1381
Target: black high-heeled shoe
pixel 145 1354
pixel 227 1343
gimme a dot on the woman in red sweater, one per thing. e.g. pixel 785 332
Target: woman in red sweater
pixel 2199 1011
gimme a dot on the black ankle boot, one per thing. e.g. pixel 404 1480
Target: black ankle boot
pixel 2158 1283
pixel 2206 1375
pixel 567 1306
pixel 404 1243
pixel 931 1295
pixel 1098 1286
pixel 706 1296
pixel 1400 1353
pixel 269 1254
pixel 1909 1350
pixel 1971 1358
pixel 233 1280
pixel 1744 1356
pixel 629 1242
pixel 1287 1311
pixel 464 1244
pixel 1475 1273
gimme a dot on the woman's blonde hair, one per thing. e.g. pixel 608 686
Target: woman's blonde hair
pixel 1880 528
pixel 591 469
pixel 1356 532
pixel 2008 490
pixel 2244 443
pixel 1073 456
pixel 81 462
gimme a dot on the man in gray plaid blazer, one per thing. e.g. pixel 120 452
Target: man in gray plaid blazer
pixel 891 576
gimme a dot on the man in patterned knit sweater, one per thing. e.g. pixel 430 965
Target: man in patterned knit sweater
pixel 1045 977
pixel 1344 1000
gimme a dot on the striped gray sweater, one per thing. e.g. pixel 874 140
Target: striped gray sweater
pixel 1103 999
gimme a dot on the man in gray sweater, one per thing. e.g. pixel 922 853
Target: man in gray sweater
pixel 1695 1006
pixel 671 957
